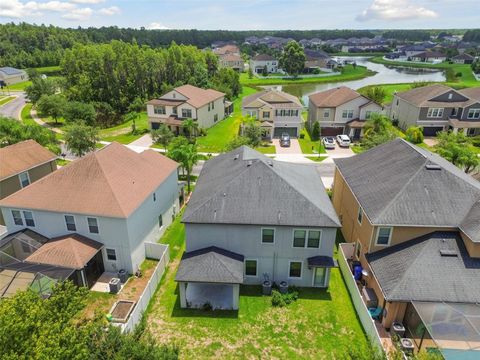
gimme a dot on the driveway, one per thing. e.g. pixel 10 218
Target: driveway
pixel 13 108
pixel 293 149
pixel 145 141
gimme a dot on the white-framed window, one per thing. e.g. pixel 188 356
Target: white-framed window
pixel 268 236
pixel 187 113
pixel 92 225
pixel 266 114
pixel 473 114
pixel 368 114
pixel 299 238
pixel 360 215
pixel 347 114
pixel 435 112
pixel 70 223
pixel 213 105
pixel 28 216
pixel 17 217
pixel 252 113
pixel 326 114
pixel 251 267
pixel 306 238
pixel 111 254
pixel 313 240
pixel 24 179
pixel 384 234
pixel 295 269
pixel 159 110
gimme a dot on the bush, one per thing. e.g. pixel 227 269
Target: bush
pixel 316 131
pixel 207 307
pixel 476 141
pixel 302 136
pixel 281 300
pixel 414 134
pixel 458 74
pixel 237 142
pixel 277 299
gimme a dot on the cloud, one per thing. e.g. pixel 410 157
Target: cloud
pixel 156 26
pixel 394 10
pixel 112 10
pixel 88 1
pixel 81 14
pixel 18 9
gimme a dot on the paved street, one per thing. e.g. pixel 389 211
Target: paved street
pixel 13 108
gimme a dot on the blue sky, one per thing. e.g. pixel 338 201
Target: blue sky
pixel 246 14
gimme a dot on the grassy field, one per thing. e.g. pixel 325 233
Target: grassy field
pixel 25 115
pixel 6 99
pixel 123 133
pixel 321 324
pixel 49 70
pixel 19 86
pixel 308 146
pixel 269 149
pixel 349 73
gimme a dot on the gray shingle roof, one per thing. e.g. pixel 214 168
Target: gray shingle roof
pixel 417 271
pixel 212 265
pixel 10 71
pixel 394 187
pixel 246 187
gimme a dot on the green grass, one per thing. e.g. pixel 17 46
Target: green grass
pixel 317 158
pixel 6 99
pixel 320 324
pixel 122 133
pixel 390 90
pixel 25 115
pixel 268 149
pixel 219 135
pixel 19 86
pixel 62 162
pixel 308 146
pixel 349 73
pixel 49 70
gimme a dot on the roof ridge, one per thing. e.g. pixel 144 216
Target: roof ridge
pixel 72 248
pixel 220 260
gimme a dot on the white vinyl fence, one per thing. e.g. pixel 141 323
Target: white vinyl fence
pixel 346 251
pixel 154 251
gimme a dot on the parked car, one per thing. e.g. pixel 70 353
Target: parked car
pixel 285 140
pixel 328 143
pixel 343 140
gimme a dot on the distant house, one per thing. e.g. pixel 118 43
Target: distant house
pixel 207 107
pixel 316 59
pixel 429 56
pixel 234 236
pixel 233 61
pixel 412 50
pixel 225 49
pixel 463 59
pixel 277 111
pixel 259 63
pixel 341 111
pixel 22 164
pixel 437 108
pixel 10 75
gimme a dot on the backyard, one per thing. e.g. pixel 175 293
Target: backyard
pixel 320 324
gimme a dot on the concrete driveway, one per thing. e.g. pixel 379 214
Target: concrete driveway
pixel 293 149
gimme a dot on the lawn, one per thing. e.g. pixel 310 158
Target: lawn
pixel 349 73
pixel 25 114
pixel 317 158
pixel 122 133
pixel 266 149
pixel 320 324
pixel 309 146
pixel 6 99
pixel 19 86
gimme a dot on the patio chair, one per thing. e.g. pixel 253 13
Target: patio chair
pixel 375 313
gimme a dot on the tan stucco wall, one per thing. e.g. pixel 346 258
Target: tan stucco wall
pixel 472 248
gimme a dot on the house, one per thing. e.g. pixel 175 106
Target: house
pixel 259 63
pixel 463 59
pixel 100 210
pixel 412 219
pixel 429 56
pixel 316 59
pixel 340 111
pixel 277 111
pixel 437 108
pixel 226 49
pixel 412 50
pixel 250 219
pixel 22 164
pixel 233 61
pixel 205 106
pixel 10 76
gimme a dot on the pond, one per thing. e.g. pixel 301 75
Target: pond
pixel 384 75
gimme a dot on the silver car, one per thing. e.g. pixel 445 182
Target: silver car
pixel 343 140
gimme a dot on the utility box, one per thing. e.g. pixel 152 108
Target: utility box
pixel 114 285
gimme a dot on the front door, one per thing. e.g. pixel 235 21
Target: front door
pixel 319 277
pixel 356 133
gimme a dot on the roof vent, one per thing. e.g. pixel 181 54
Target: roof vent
pixel 249 162
pixel 270 162
pixel 236 157
pixel 448 253
pixel 433 167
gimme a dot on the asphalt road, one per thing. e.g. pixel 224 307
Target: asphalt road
pixel 13 108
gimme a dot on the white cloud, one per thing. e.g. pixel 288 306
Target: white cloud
pixel 156 26
pixel 18 9
pixel 88 1
pixel 81 14
pixel 112 10
pixel 393 10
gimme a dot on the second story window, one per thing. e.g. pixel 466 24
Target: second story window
pixel 299 238
pixel 186 113
pixel 70 222
pixel 383 236
pixel 268 236
pixel 347 114
pixel 17 217
pixel 24 179
pixel 326 114
pixel 368 114
pixel 92 225
pixel 159 110
pixel 473 114
pixel 29 218
pixel 360 215
pixel 313 239
pixel 266 114
pixel 435 112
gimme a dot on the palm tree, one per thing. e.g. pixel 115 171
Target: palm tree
pixel 191 126
pixel 187 156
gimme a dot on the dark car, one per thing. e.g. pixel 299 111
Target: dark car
pixel 285 140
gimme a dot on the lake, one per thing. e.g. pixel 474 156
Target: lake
pixel 384 75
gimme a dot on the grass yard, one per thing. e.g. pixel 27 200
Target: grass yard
pixel 320 324
pixel 268 149
pixel 308 146
pixel 6 99
pixel 19 86
pixel 317 158
pixel 122 133
pixel 25 115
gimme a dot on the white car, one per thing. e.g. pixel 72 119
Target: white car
pixel 343 140
pixel 328 143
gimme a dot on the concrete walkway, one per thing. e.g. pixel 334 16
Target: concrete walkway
pixel 145 141
pixel 33 114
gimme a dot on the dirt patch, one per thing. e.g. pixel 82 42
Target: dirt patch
pixel 122 309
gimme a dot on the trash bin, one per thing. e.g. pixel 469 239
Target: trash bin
pixel 267 287
pixel 122 275
pixel 114 285
pixel 283 287
pixel 397 329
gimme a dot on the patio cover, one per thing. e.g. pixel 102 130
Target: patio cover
pixel 321 261
pixel 455 328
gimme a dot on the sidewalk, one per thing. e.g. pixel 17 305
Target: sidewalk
pixel 33 114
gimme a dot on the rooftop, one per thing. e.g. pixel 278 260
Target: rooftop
pixel 263 57
pixel 440 95
pixel 272 97
pixel 11 71
pixel 334 97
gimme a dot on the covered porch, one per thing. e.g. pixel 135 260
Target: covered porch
pixel 354 129
pixel 210 278
pixel 321 266
pixel 469 128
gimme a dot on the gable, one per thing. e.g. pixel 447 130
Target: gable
pixel 174 95
pixel 450 96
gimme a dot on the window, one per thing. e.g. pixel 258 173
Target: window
pixel 215 118
pixel 24 179
pixel 70 222
pixel 347 114
pixel 295 270
pixel 435 112
pixel 266 114
pixel 208 106
pixel 174 110
pixel 326 114
pixel 17 217
pixel 313 239
pixel 268 236
pixel 111 254
pixel 299 238
pixel 92 225
pixel 160 110
pixel 251 267
pixel 160 221
pixel 29 218
pixel 213 105
pixel 368 114
pixel 186 113
pixel 473 114
pixel 360 215
pixel 358 249
pixel 383 235
pixel 154 197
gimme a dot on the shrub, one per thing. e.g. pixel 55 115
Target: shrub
pixel 302 136
pixel 281 300
pixel 207 307
pixel 316 131
pixel 458 74
pixel 414 134
pixel 277 299
pixel 476 141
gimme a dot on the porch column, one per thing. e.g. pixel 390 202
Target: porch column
pixel 455 130
pixel 183 294
pixel 236 295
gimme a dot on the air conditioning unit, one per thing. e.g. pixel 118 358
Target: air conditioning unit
pixel 114 285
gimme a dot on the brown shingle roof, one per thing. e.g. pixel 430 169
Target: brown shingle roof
pixel 334 97
pixel 421 96
pixel 22 156
pixel 272 97
pixel 263 57
pixel 111 182
pixel 472 93
pixel 198 97
pixel 72 251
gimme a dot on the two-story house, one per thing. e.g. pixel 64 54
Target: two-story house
pixel 233 61
pixel 262 62
pixel 114 197
pixel 252 219
pixel 22 164
pixel 437 108
pixel 277 111
pixel 340 111
pixel 413 220
pixel 205 106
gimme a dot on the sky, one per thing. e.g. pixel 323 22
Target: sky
pixel 247 14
